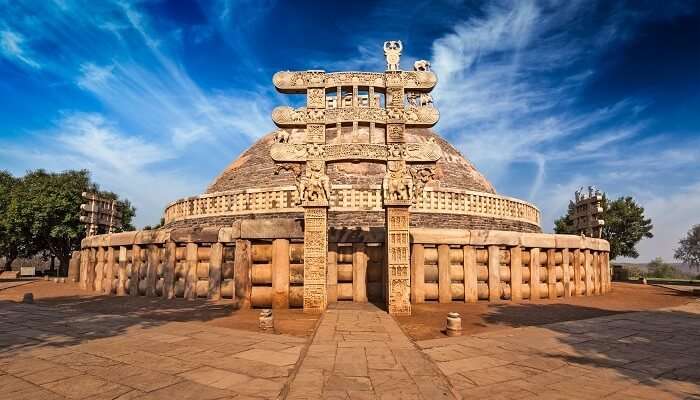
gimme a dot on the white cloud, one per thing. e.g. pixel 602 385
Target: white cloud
pixel 11 44
pixel 91 137
pixel 510 79
pixel 93 76
pixel 129 165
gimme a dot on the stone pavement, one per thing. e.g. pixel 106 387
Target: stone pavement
pixel 357 352
pixel 360 352
pixel 643 355
pixel 51 353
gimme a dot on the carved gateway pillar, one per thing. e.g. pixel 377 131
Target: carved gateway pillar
pixel 401 185
pixel 314 191
pixel 315 253
pixel 398 257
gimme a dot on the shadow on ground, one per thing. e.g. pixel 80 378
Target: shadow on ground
pixel 66 320
pixel 428 320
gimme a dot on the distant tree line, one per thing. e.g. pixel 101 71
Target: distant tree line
pixel 40 214
pixel 625 225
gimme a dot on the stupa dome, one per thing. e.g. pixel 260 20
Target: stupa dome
pixel 254 186
pixel 256 169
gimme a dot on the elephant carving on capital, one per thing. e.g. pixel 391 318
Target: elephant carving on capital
pixel 398 183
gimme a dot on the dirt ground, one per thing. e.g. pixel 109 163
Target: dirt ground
pixel 428 320
pixel 222 314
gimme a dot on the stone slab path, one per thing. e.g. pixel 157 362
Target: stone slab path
pixel 51 353
pixel 359 352
pixel 641 355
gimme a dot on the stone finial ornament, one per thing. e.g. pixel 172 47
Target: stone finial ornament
pixel 281 136
pixel 421 65
pixel 392 52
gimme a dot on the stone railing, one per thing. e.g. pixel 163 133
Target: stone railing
pixel 461 265
pixel 347 198
pixel 260 263
pixel 234 262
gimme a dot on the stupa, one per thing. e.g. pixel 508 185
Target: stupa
pixel 353 198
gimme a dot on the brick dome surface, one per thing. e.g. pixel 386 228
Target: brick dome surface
pixel 256 169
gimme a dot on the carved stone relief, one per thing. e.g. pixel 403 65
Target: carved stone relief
pixel 315 253
pixel 422 115
pixel 398 183
pixel 411 152
pixel 299 80
pixel 315 185
pixel 398 256
pixel 316 97
pixel 421 177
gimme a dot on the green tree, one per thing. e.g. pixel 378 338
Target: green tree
pixel 625 225
pixel 659 269
pixel 44 211
pixel 565 224
pixel 9 242
pixel 689 250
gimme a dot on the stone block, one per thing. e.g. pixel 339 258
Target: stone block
pixel 102 240
pixel 277 228
pixel 195 235
pixel 568 241
pixel 147 237
pixel 123 238
pixel 229 234
pixel 544 240
pixel 440 236
pixel 490 237
pixel 162 235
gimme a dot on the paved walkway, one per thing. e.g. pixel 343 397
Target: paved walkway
pixel 50 353
pixel 359 352
pixel 643 355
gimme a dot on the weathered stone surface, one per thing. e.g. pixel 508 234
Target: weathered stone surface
pixel 122 238
pixel 192 235
pixel 272 228
pixel 440 236
pixel 229 234
pixel 537 240
pixel 494 237
pixel 568 241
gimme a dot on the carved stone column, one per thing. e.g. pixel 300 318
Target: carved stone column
pixel 398 257
pixel 315 254
pixel 315 195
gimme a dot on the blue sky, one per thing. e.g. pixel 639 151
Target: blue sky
pixel 155 98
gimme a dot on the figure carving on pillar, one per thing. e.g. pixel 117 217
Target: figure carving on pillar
pixel 398 183
pixel 412 98
pixel 392 52
pixel 426 99
pixel 296 170
pixel 421 177
pixel 315 186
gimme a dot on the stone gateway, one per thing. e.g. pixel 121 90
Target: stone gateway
pixel 353 198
